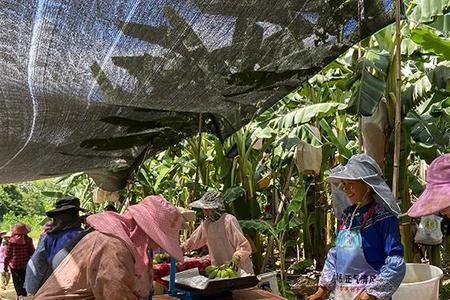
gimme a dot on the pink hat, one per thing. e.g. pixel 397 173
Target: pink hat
pixel 161 221
pixel 436 196
pixel 153 218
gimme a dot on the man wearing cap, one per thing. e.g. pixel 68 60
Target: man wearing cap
pixel 66 225
pixel 222 234
pixel 111 262
pixel 367 260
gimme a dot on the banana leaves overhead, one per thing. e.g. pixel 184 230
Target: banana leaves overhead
pixel 96 85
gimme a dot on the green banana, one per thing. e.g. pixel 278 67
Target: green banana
pixel 231 273
pixel 213 274
pixel 224 271
pixel 208 269
pixel 223 274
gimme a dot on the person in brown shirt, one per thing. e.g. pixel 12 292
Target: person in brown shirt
pixel 112 261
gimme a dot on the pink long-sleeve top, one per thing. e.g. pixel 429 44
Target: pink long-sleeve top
pixel 224 239
pixel 2 257
pixel 99 267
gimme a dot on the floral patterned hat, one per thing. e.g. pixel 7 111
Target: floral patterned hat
pixel 210 200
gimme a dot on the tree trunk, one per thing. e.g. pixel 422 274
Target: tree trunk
pixel 320 225
pixel 435 255
pixel 404 197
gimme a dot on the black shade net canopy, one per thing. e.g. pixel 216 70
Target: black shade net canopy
pixel 92 85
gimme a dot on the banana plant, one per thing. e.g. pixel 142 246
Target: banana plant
pixel 289 221
pixel 79 185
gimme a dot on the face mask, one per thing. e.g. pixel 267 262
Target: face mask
pixel 214 214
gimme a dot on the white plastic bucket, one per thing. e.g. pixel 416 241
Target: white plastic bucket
pixel 421 282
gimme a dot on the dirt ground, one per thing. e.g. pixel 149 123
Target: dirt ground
pixel 9 293
pixel 445 290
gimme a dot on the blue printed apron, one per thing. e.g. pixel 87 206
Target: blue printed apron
pixel 354 273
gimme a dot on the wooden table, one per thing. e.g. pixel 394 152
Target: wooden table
pixel 244 294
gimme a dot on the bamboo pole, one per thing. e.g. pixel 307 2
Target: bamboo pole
pixel 398 107
pixel 360 135
pixel 405 229
pixel 199 146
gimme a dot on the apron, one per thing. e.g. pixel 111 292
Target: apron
pixel 354 273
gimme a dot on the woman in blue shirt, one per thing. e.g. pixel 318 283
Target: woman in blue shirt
pixel 367 260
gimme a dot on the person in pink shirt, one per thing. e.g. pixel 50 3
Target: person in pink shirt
pixel 111 261
pixel 4 275
pixel 221 233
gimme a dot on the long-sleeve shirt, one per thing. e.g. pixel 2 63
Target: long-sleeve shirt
pixel 38 268
pixel 55 241
pixel 382 248
pixel 17 255
pixel 99 267
pixel 2 257
pixel 224 239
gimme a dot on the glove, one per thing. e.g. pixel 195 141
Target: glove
pixel 234 262
pixel 236 259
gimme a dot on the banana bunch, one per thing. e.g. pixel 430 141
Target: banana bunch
pixel 225 271
pixel 160 258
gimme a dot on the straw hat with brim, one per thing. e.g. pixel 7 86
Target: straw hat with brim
pixel 20 228
pixel 161 221
pixel 188 216
pixel 210 200
pixel 436 196
pixel 361 167
pixel 65 204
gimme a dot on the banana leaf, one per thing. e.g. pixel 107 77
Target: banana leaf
pixel 419 96
pixel 428 10
pixel 431 41
pixel 370 85
pixel 307 113
pixel 423 129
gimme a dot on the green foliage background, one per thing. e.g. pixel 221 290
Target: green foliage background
pixel 255 166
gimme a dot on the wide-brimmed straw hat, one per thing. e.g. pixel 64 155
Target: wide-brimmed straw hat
pixel 65 204
pixel 436 196
pixel 7 235
pixel 161 221
pixel 210 200
pixel 365 168
pixel 20 229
